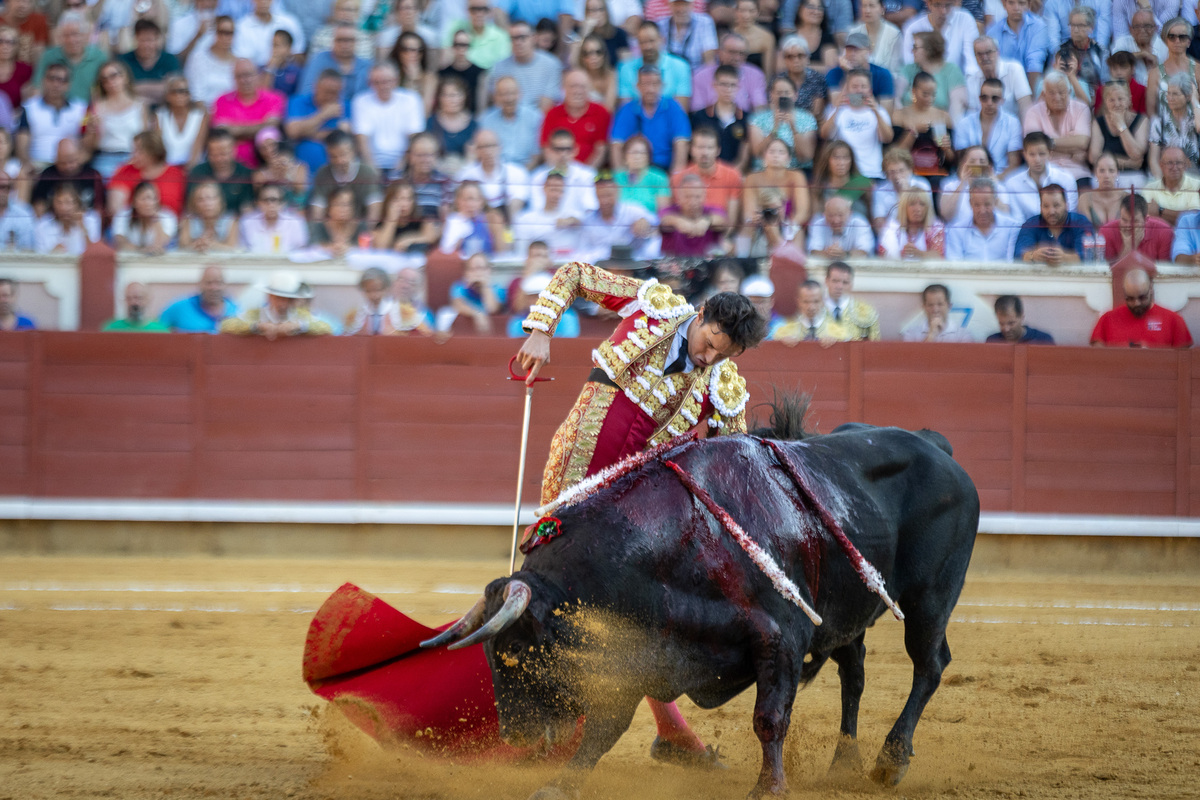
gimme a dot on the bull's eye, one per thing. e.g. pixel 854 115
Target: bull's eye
pixel 514 649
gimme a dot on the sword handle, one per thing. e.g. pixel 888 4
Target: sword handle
pixel 513 376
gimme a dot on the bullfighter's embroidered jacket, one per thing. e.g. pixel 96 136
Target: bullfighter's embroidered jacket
pixel 635 356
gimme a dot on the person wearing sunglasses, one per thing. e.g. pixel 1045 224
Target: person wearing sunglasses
pixel 993 128
pixel 488 43
pixel 1177 33
pixel 49 117
pixel 209 69
pixel 538 73
pixel 24 18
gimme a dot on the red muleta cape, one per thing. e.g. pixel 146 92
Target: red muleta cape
pixel 365 657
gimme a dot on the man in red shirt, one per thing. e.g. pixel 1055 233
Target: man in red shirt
pixel 1140 322
pixel 587 120
pixel 722 183
pixel 1137 230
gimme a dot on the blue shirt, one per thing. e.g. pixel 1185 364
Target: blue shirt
pixel 532 11
pixel 1187 236
pixel 1035 233
pixel 186 316
pixel 676 75
pixel 670 122
pixel 26 324
pixel 1030 47
pixel 1056 14
pixel 1006 136
pixel 352 84
pixel 882 84
pixel 518 136
pixel 967 243
pixel 311 151
pixel 1031 336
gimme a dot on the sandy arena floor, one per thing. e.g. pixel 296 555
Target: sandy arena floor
pixel 180 678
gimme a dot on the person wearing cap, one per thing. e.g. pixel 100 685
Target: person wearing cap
pixel 751 92
pixel 531 286
pixel 761 292
pixel 615 223
pixel 279 315
pixel 857 55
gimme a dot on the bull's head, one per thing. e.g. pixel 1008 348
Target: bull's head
pixel 521 630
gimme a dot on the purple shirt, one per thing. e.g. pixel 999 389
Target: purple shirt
pixel 675 243
pixel 751 93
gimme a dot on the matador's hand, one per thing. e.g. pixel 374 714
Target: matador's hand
pixel 534 354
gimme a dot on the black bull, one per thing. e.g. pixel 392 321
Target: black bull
pixel 646 593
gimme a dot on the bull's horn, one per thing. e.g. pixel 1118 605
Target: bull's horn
pixel 469 623
pixel 516 600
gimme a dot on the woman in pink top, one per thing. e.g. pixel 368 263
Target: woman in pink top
pixel 247 110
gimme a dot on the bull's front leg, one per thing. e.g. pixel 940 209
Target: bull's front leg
pixel 778 675
pixel 601 729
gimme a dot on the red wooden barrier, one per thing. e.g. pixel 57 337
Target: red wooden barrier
pixel 1068 430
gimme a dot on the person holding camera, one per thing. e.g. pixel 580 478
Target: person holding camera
pixel 785 121
pixel 859 121
pixel 777 203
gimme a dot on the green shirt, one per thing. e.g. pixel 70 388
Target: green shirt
pixel 487 48
pixel 83 74
pixel 145 326
pixel 652 185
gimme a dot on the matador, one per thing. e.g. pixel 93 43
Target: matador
pixel 663 372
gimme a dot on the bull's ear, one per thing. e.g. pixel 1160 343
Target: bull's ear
pixel 516 599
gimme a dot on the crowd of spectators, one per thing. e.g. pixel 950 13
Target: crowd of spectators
pixel 910 130
pixel 1051 131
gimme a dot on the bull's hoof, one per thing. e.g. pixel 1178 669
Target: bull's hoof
pixel 889 769
pixel 770 789
pixel 670 753
pixel 846 758
pixel 555 793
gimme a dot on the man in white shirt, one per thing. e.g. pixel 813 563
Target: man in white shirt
pixel 990 236
pixel 839 233
pixel 1023 187
pixel 1143 41
pixel 552 223
pixel 504 185
pixel 937 325
pixel 859 121
pixel 1017 95
pixel 559 155
pixel 48 118
pixel 616 223
pixel 256 30
pixel 957 27
pixel 384 117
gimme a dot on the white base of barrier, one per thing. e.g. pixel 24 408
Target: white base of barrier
pixel 22 508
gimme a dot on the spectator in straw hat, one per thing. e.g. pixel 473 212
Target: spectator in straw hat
pixel 761 292
pixel 279 315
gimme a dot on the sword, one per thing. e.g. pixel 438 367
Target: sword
pixel 513 376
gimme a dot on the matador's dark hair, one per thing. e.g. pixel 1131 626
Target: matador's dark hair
pixel 737 318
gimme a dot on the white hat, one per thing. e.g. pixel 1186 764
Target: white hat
pixel 535 283
pixel 758 286
pixel 285 283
